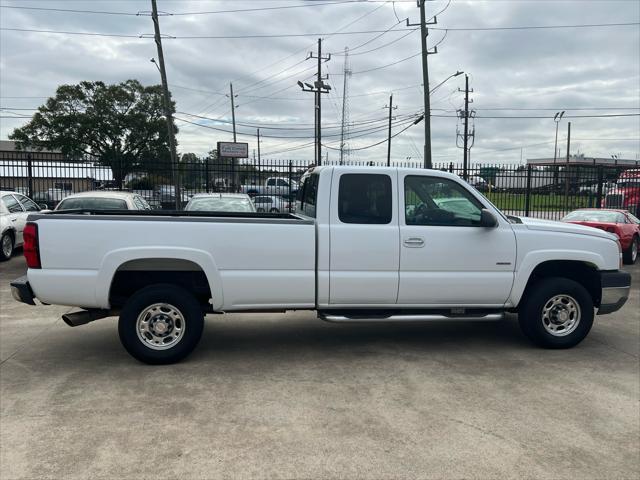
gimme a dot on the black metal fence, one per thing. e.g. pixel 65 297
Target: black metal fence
pixel 540 191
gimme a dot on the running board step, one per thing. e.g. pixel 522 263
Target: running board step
pixel 409 318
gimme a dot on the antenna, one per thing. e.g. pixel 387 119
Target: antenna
pixel 344 130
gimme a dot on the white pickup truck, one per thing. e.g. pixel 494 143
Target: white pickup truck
pixel 366 244
pixel 272 186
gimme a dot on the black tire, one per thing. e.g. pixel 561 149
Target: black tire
pixel 540 295
pixel 191 324
pixel 630 255
pixel 260 210
pixel 9 246
pixel 274 210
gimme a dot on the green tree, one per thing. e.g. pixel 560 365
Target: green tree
pixel 122 125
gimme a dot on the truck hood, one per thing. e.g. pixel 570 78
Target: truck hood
pixel 562 227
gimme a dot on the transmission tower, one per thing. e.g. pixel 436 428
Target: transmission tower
pixel 344 130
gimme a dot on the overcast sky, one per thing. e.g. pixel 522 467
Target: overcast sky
pixel 514 73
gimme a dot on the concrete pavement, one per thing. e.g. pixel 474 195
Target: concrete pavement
pixel 288 396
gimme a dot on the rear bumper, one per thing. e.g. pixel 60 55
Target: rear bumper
pixel 615 290
pixel 21 291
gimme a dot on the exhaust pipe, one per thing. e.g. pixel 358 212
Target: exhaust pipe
pixel 83 317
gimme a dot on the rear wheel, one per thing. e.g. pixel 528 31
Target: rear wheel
pixel 6 246
pixel 556 313
pixel 630 255
pixel 274 210
pixel 161 324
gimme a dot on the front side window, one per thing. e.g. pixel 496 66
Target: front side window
pixel 271 182
pixel 439 202
pixel 282 183
pixel 365 198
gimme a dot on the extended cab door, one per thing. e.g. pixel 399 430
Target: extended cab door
pixel 364 244
pixel 446 258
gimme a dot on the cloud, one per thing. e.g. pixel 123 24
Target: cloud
pixel 569 69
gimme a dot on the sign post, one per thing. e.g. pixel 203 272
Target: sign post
pixel 233 150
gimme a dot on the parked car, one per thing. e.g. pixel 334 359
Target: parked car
pixel 103 200
pixel 14 210
pixel 621 223
pixel 166 196
pixel 272 186
pixel 350 253
pixel 221 202
pixel 626 194
pixel 271 203
pixel 51 197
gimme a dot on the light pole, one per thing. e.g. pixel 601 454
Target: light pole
pixel 445 80
pixel 556 118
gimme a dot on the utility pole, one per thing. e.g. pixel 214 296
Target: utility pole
pixel 424 32
pixel 465 115
pixel 391 108
pixel 234 174
pixel 566 168
pixel 258 150
pixel 175 174
pixel 233 111
pixel 318 88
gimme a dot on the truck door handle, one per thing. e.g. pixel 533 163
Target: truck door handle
pixel 413 242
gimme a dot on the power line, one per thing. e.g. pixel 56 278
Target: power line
pixel 209 12
pixel 537 27
pixel 298 35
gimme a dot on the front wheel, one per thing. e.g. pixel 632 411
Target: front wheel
pixel 161 324
pixel 556 313
pixel 630 255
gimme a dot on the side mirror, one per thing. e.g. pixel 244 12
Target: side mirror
pixel 488 219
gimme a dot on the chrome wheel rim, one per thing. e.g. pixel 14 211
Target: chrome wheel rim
pixel 7 246
pixel 634 250
pixel 561 315
pixel 160 326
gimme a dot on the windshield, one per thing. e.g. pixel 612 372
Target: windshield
pixel 594 216
pixel 221 204
pixel 92 203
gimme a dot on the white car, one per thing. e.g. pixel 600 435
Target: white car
pixel 220 202
pixel 103 200
pixel 271 203
pixel 14 210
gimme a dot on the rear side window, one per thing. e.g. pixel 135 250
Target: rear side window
pixel 308 195
pixel 12 204
pixel 365 198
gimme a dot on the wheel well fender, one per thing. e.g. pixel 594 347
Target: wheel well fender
pixel 161 258
pixel 582 272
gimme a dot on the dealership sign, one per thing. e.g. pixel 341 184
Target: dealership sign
pixel 233 150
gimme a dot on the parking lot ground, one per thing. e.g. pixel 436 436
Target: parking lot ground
pixel 288 396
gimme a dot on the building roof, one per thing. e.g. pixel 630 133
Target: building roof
pixel 54 169
pixel 10 146
pixel 584 160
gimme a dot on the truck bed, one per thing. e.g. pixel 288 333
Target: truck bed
pixel 249 260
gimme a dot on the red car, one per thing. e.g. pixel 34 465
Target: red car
pixel 619 222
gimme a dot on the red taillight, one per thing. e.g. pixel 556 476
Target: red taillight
pixel 30 247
